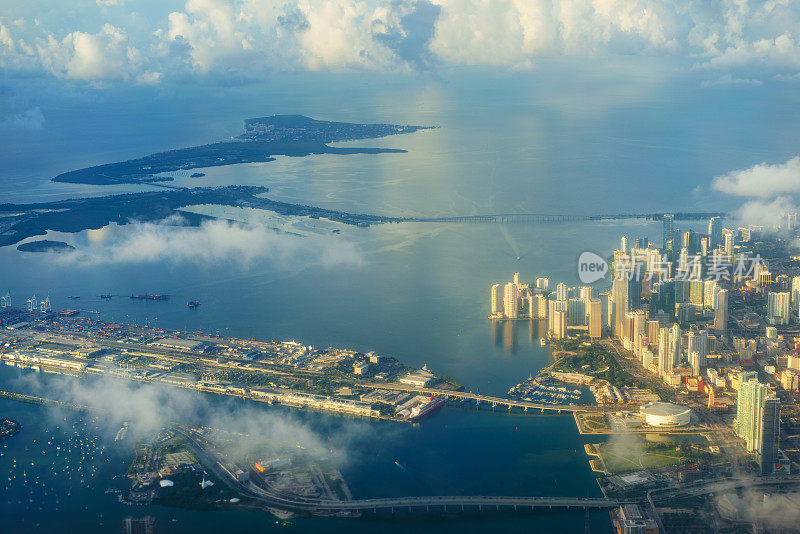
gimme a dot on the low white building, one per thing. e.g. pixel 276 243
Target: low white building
pixel 665 414
pixel 420 378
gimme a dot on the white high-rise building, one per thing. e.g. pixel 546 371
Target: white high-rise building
pixel 511 301
pixel 778 308
pixel 623 244
pixel 496 299
pixel 543 284
pixel 554 306
pixel 559 330
pixel 729 244
pixel 561 291
pixel 587 293
pixel 669 348
pixel 595 316
pixel 538 306
pixel 709 294
pixel 516 280
pixel 697 345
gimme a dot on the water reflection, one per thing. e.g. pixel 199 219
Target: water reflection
pixel 505 333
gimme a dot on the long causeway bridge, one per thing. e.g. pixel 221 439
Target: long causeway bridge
pixel 559 218
pixel 457 504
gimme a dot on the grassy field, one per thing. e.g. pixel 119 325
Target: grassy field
pixel 632 453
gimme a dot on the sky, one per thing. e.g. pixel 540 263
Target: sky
pixel 91 47
pixel 225 42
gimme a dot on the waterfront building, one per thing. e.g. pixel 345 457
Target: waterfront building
pixel 496 299
pixel 559 330
pixel 510 301
pixel 543 284
pixel 623 245
pixel 778 308
pixel 537 306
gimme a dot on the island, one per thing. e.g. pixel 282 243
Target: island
pixel 45 245
pixel 21 221
pixel 263 138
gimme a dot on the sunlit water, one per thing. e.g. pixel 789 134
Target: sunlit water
pixel 417 292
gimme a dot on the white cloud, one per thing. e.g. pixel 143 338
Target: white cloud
pixel 744 39
pixel 105 55
pixel 762 180
pixel 215 241
pixel 766 213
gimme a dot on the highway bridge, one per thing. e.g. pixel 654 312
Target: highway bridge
pixel 494 402
pixel 530 218
pixel 456 504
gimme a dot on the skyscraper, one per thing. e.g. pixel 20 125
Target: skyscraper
pixel 757 420
pixel 669 230
pixel 669 348
pixel 709 294
pixel 576 312
pixel 715 231
pixel 770 433
pixel 795 295
pixel 595 316
pixel 496 299
pixel 559 330
pixel 729 244
pixel 561 291
pixel 587 292
pixel 623 244
pixel 721 312
pixel 778 308
pixel 510 304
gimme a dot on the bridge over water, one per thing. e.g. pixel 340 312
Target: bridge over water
pixel 453 504
pixel 559 218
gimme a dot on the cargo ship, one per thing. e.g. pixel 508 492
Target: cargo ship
pixel 193 304
pixel 150 297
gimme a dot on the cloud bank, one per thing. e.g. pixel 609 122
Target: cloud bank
pixel 772 189
pixel 215 241
pixel 762 181
pixel 247 39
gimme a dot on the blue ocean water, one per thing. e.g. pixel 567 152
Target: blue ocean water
pixel 418 292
